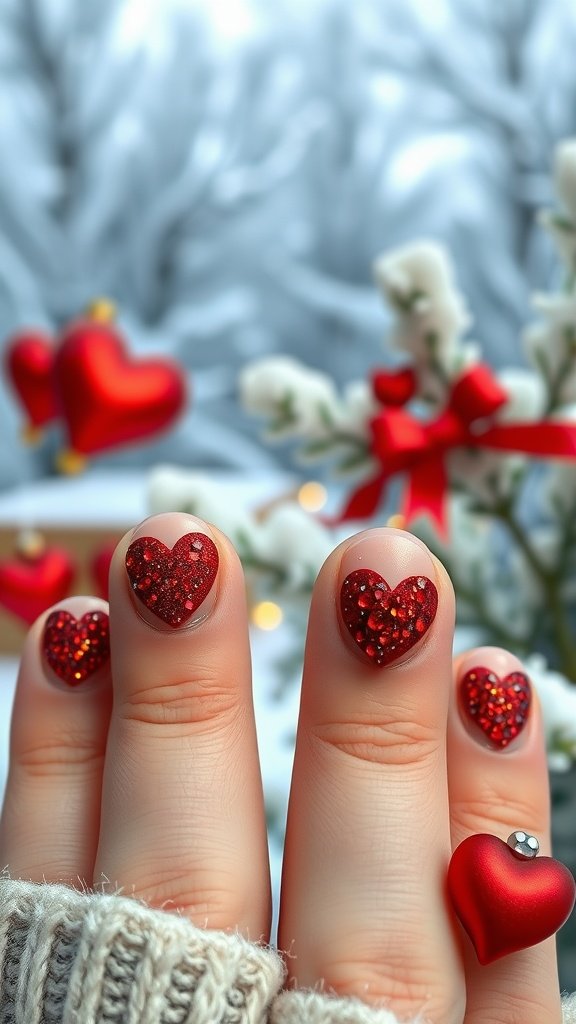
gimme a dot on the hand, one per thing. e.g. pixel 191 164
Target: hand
pixel 146 772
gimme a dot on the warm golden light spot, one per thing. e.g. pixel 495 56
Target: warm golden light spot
pixel 397 521
pixel 312 496
pixel 30 544
pixel 70 462
pixel 102 310
pixel 267 615
pixel 393 612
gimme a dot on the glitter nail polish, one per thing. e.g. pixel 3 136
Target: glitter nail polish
pixel 76 648
pixel 386 623
pixel 499 708
pixel 172 583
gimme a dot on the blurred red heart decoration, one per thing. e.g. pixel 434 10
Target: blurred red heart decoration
pixel 506 903
pixel 100 568
pixel 29 365
pixel 30 583
pixel 394 387
pixel 107 398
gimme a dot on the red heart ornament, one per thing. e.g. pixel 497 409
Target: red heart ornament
pixel 28 586
pixel 100 568
pixel 108 399
pixel 506 902
pixel 172 583
pixel 30 365
pixel 394 387
pixel 386 623
pixel 76 648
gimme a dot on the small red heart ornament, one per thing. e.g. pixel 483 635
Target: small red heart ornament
pixel 30 365
pixel 100 568
pixel 394 387
pixel 28 586
pixel 386 623
pixel 172 583
pixel 108 399
pixel 505 902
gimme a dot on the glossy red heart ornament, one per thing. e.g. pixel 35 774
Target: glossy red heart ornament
pixel 30 366
pixel 386 623
pixel 107 398
pixel 394 387
pixel 505 902
pixel 28 586
pixel 100 568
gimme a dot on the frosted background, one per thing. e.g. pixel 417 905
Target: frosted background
pixel 228 171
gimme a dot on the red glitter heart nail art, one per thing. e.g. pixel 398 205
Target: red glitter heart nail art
pixel 76 648
pixel 386 623
pixel 172 583
pixel 498 707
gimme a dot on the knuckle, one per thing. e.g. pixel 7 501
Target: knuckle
pixel 208 906
pixel 390 741
pixel 202 702
pixel 60 755
pixel 490 807
pixel 404 985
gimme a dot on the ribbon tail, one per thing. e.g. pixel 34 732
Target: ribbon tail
pixel 363 502
pixel 426 493
pixel 546 438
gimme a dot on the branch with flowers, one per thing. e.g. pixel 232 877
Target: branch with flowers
pixel 487 458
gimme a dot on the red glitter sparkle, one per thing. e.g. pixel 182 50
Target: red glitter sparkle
pixel 498 707
pixel 172 583
pixel 76 648
pixel 386 623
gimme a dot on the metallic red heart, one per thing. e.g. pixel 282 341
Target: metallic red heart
pixel 30 365
pixel 499 707
pixel 386 623
pixel 107 398
pixel 29 585
pixel 172 583
pixel 76 648
pixel 506 903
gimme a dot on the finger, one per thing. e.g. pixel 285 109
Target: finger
pixel 368 838
pixel 183 822
pixel 498 783
pixel 51 813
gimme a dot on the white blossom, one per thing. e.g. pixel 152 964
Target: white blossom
pixel 298 400
pixel 526 395
pixel 558 703
pixel 357 407
pixel 171 489
pixel 294 541
pixel 418 282
pixel 551 344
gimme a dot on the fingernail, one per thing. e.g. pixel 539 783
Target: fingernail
pixel 172 564
pixel 75 648
pixel 494 697
pixel 388 599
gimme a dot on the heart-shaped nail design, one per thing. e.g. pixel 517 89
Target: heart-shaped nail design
pixel 76 648
pixel 506 903
pixel 386 623
pixel 172 583
pixel 499 707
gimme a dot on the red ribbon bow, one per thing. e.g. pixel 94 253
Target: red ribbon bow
pixel 403 443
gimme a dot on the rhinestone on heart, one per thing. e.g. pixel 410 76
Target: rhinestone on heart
pixel 386 623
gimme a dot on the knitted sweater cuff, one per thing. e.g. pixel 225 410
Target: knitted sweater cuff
pixel 69 956
pixel 308 1007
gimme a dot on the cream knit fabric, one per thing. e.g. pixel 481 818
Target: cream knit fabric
pixel 68 957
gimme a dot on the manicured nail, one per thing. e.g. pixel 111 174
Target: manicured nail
pixel 495 697
pixel 172 563
pixel 388 599
pixel 76 648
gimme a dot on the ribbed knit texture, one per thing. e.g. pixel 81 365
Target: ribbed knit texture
pixel 69 957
